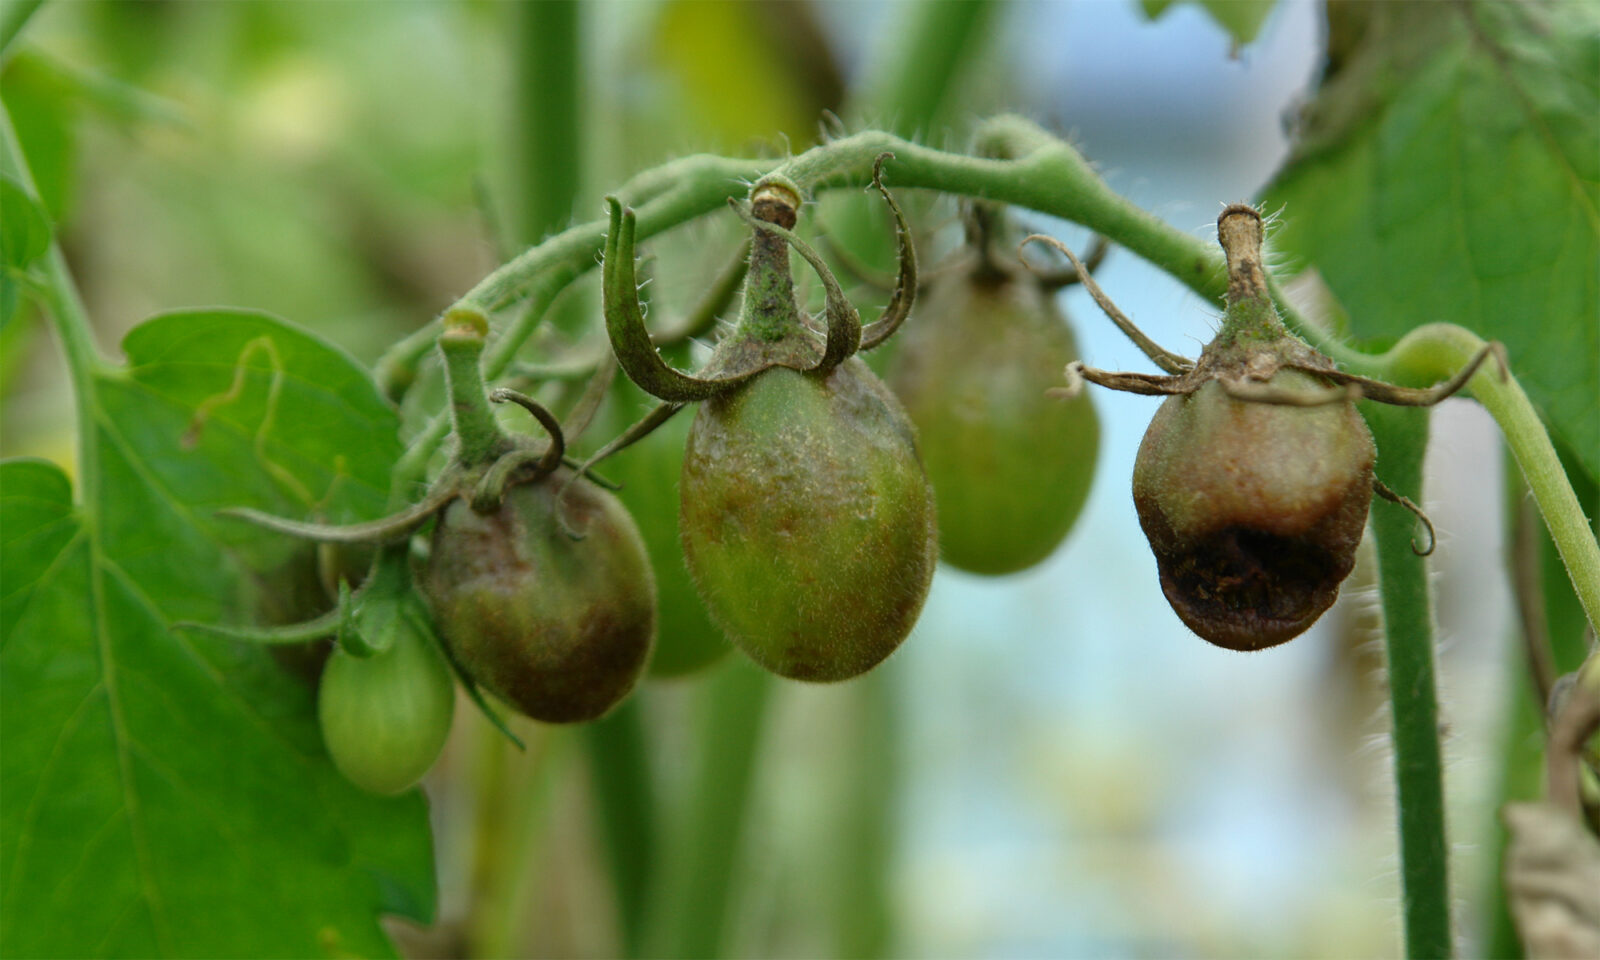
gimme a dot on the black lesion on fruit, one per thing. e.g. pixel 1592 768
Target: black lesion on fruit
pixel 1248 589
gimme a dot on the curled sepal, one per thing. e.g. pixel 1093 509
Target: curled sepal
pixel 630 340
pixel 490 489
pixel 1147 384
pixel 905 284
pixel 387 530
pixel 1426 396
pixel 552 455
pixel 1160 356
pixel 1382 490
pixel 843 322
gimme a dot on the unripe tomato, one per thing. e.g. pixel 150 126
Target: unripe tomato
pixel 1011 466
pixel 559 628
pixel 807 520
pixel 385 717
pixel 1253 510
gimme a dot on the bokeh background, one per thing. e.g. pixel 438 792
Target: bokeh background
pixel 1052 765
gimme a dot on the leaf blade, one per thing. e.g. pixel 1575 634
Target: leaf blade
pixel 1448 171
pixel 168 794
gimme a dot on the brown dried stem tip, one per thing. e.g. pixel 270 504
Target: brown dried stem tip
pixel 1239 232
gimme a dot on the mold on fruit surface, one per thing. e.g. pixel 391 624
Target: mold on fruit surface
pixel 559 628
pixel 808 521
pixel 806 517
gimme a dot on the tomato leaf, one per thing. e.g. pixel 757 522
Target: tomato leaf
pixel 167 793
pixel 1449 171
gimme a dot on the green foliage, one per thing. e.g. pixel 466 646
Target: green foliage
pixel 24 238
pixel 24 228
pixel 166 792
pixel 1449 171
pixel 1241 18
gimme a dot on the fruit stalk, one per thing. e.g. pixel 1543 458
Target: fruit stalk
pixel 477 431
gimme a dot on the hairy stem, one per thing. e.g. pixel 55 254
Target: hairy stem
pixel 1434 352
pixel 1046 175
pixel 1408 638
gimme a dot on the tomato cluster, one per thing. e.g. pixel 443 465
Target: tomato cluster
pixel 806 530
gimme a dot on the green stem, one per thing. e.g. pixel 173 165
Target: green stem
pixel 1433 352
pixel 625 795
pixel 13 18
pixel 1408 637
pixel 478 433
pixel 695 892
pixel 547 119
pixel 69 322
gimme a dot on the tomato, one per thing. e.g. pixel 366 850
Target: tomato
pixel 808 521
pixel 559 628
pixel 385 717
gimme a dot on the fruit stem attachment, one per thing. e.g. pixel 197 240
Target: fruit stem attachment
pixel 843 322
pixel 479 438
pixel 1251 315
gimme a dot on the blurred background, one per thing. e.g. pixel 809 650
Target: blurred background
pixel 1052 765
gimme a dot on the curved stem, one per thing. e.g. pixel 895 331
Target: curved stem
pixel 1437 351
pixel 1048 176
pixel 69 321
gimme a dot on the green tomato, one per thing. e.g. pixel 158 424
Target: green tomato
pixel 1011 466
pixel 385 717
pixel 807 520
